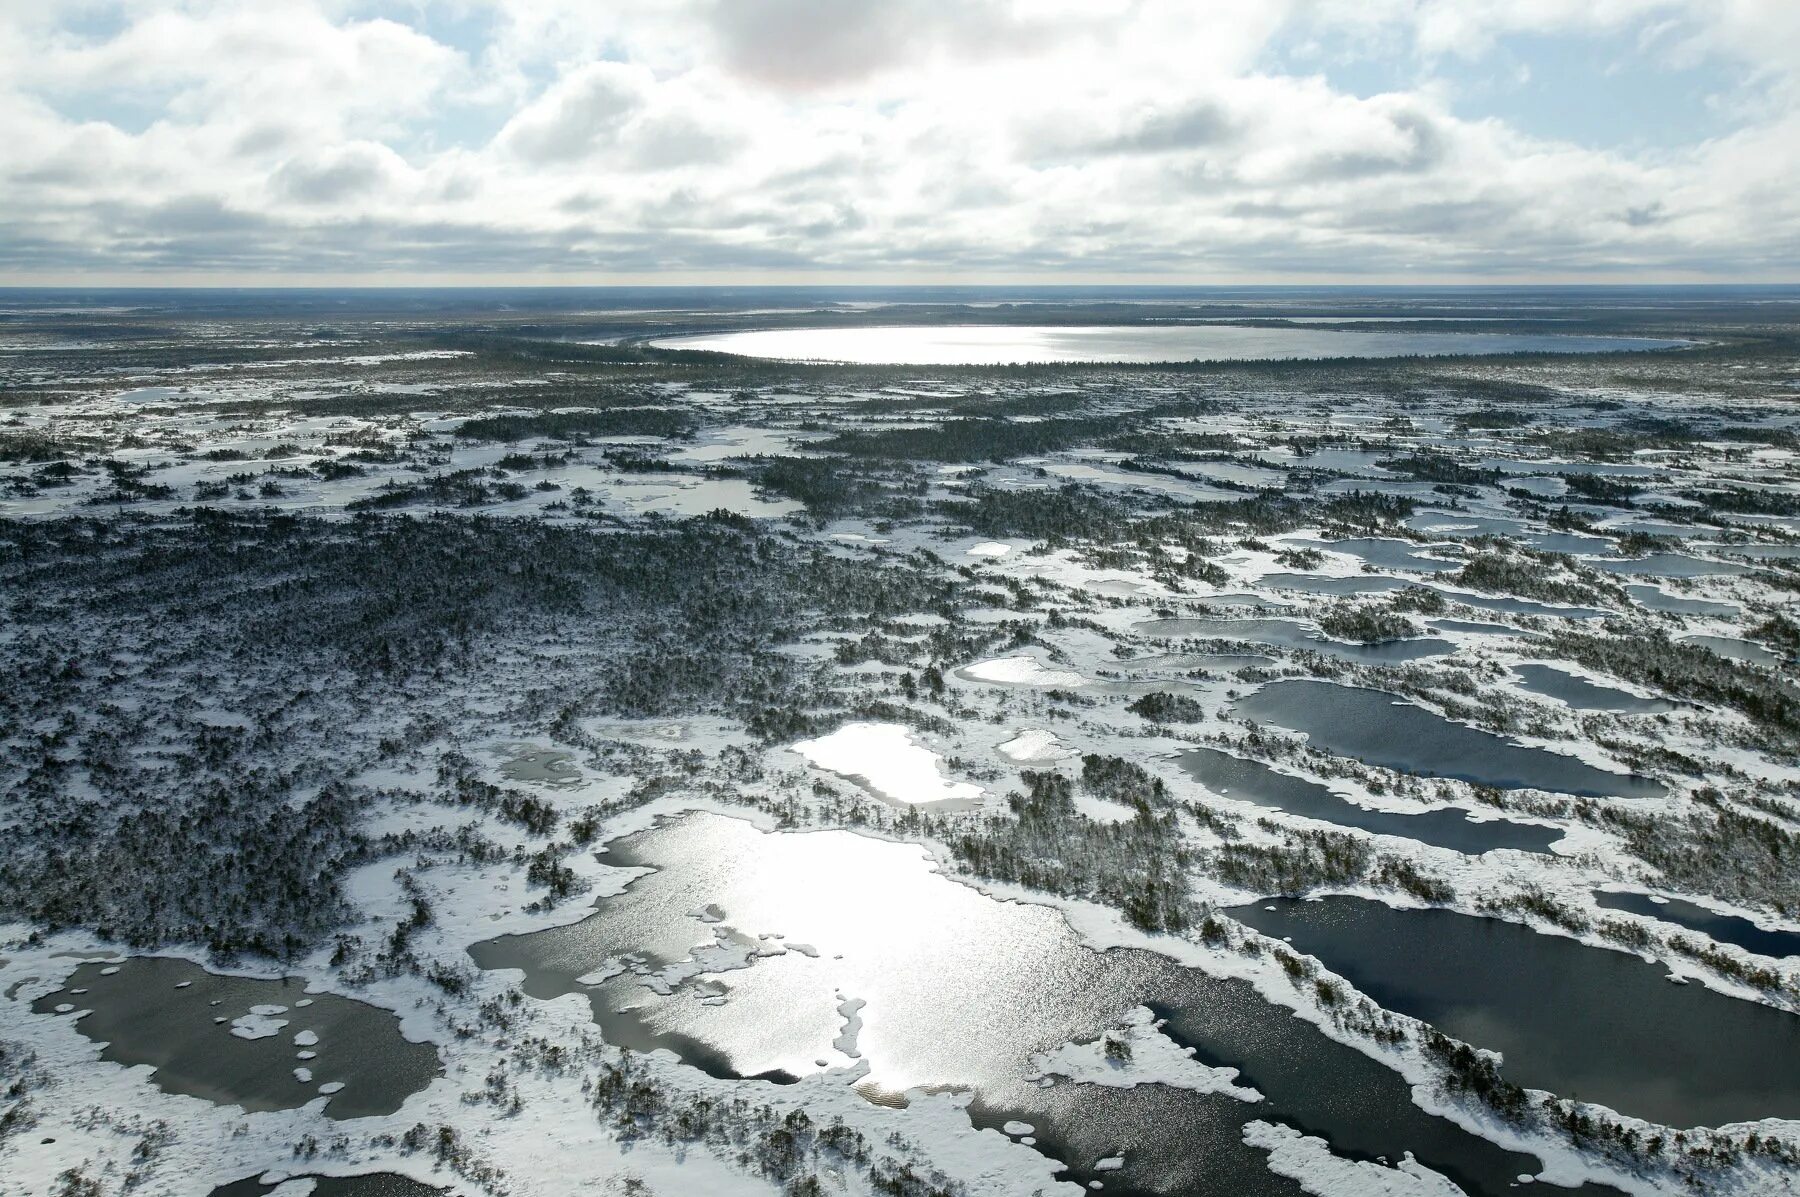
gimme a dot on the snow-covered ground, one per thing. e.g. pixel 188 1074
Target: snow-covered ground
pixel 530 1115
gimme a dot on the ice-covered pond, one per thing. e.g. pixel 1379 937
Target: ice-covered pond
pixel 1671 565
pixel 990 344
pixel 1734 649
pixel 244 1041
pixel 886 759
pixel 781 954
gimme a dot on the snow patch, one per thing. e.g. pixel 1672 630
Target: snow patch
pixel 1309 1162
pixel 257 1024
pixel 1140 1054
pixel 611 968
pixel 851 1010
pixel 1035 745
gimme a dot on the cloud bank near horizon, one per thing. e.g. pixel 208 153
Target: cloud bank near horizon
pixel 1497 140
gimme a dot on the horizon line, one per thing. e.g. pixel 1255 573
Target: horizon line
pixel 514 283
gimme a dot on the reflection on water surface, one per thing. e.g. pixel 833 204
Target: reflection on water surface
pixel 992 344
pixel 760 954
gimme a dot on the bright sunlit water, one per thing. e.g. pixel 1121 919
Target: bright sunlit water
pixel 992 344
pixel 740 950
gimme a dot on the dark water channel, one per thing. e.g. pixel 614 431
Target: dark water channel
pixel 1386 553
pixel 370 1184
pixel 1381 729
pixel 1658 599
pixel 1579 1021
pixel 1725 928
pixel 1291 633
pixel 1584 695
pixel 1450 827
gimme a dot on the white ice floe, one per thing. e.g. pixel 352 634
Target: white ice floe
pixel 260 1023
pixel 306 1039
pixel 611 967
pixel 1035 746
pixel 850 1009
pixel 1309 1161
pixel 1022 671
pixel 1143 1056
pixel 886 758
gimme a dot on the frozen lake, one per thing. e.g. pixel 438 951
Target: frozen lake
pixel 245 1041
pixel 779 955
pixel 992 344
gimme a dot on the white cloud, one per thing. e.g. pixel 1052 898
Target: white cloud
pixel 920 137
pixel 580 113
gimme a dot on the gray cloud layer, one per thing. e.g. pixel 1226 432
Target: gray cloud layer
pixel 788 138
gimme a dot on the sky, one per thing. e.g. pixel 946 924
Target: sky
pixel 894 141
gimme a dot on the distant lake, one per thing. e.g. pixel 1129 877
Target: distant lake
pixel 992 344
